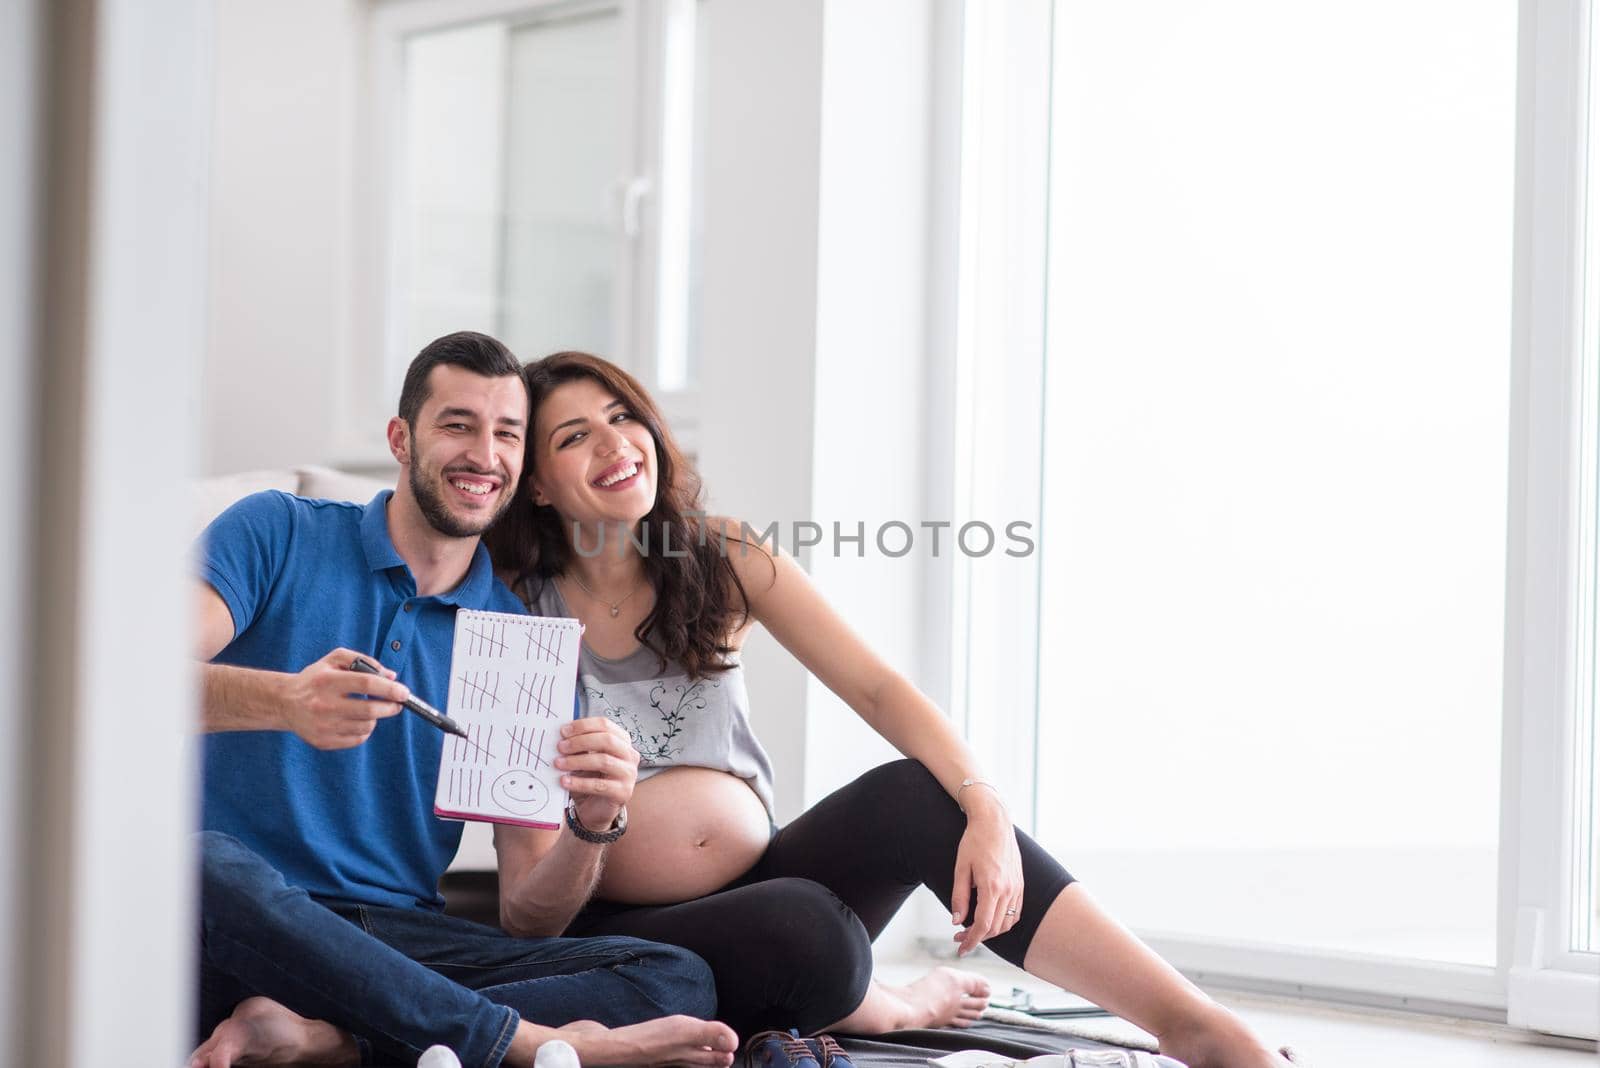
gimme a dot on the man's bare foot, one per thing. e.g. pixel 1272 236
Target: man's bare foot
pixel 675 1040
pixel 945 997
pixel 1219 1040
pixel 263 1032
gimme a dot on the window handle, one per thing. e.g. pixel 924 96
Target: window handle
pixel 632 192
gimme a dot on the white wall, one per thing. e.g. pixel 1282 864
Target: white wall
pixel 814 314
pixel 758 318
pixel 868 432
pixel 871 435
pixel 816 346
pixel 281 219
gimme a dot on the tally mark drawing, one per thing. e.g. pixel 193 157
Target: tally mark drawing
pixel 466 786
pixel 511 686
pixel 546 643
pixel 475 748
pixel 527 747
pixel 534 693
pixel 487 639
pixel 478 687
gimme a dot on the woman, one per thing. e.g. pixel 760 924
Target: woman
pixel 608 529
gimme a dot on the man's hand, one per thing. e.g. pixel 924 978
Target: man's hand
pixel 599 766
pixel 332 707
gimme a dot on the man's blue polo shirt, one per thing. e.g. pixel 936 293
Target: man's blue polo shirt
pixel 303 577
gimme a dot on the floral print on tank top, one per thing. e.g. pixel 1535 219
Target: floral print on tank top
pixel 658 714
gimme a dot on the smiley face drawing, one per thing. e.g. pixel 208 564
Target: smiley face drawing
pixel 519 792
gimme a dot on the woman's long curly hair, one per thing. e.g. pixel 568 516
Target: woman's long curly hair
pixel 700 601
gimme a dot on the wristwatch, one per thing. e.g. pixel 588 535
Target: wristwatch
pixel 606 837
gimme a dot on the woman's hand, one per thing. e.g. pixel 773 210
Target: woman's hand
pixel 988 871
pixel 599 767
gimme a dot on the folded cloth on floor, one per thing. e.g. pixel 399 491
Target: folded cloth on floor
pixel 914 1049
pixel 1072 1058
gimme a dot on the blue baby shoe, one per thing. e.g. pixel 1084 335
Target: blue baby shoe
pixel 829 1052
pixel 779 1049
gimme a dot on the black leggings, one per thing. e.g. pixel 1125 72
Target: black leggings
pixel 790 941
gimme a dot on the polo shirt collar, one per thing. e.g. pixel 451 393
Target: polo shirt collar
pixel 382 555
pixel 380 550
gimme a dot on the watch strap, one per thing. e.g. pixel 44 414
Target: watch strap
pixel 605 837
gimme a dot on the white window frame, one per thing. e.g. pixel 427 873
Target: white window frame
pixel 1538 983
pixel 651 197
pixel 999 266
pixel 1548 986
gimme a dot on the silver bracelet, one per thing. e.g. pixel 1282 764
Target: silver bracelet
pixel 977 782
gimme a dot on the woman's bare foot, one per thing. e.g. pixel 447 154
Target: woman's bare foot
pixel 945 997
pixel 675 1040
pixel 1219 1040
pixel 263 1032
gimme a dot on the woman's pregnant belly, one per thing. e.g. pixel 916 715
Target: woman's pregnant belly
pixel 690 831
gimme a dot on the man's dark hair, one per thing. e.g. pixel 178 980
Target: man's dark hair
pixel 478 353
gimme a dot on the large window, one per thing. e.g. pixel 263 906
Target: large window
pixel 535 165
pixel 514 141
pixel 1315 632
pixel 1275 484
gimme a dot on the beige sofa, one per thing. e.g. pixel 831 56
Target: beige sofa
pixel 212 495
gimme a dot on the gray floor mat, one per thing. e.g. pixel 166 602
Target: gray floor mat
pixel 911 1049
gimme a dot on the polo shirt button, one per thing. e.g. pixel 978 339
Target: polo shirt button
pixel 395 645
pixel 406 607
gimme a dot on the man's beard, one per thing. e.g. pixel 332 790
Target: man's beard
pixel 430 500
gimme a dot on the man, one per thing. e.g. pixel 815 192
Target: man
pixel 322 939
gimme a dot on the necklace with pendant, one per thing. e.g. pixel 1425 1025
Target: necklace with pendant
pixel 614 606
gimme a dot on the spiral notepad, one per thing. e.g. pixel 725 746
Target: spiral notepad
pixel 512 685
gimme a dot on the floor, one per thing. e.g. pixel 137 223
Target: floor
pixel 1329 1037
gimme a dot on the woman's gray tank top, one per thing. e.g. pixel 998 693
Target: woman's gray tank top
pixel 673 720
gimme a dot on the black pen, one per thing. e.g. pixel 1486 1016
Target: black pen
pixel 417 705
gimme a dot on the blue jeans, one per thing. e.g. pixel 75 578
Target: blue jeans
pixel 400 980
